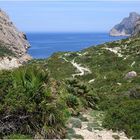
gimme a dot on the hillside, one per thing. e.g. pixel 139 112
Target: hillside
pixel 126 27
pixel 110 72
pixel 93 93
pixel 119 57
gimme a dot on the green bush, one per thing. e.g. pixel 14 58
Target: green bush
pixel 124 117
pixel 31 103
pixel 72 101
pixel 17 136
pixel 4 51
pixel 81 90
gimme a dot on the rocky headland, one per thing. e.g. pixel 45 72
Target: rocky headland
pixel 126 27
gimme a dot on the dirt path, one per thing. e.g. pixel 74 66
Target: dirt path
pixel 91 128
pixel 82 70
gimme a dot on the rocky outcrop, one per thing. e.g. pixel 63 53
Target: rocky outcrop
pixel 14 41
pixel 9 62
pixel 137 28
pixel 130 75
pixel 126 27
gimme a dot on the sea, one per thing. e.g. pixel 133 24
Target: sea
pixel 43 45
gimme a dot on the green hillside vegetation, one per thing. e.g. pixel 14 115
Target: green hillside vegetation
pixel 4 51
pixel 110 90
pixel 31 104
pixel 38 99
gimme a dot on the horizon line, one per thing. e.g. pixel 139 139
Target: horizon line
pixel 66 32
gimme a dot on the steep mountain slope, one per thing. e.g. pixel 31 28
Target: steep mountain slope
pixel 13 44
pixel 126 27
pixel 137 28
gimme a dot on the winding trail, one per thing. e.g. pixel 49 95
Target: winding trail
pixel 115 51
pixel 82 70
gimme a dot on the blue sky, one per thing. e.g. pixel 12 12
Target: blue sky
pixel 68 15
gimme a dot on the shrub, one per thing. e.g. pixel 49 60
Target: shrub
pixel 72 101
pixel 125 116
pixel 82 92
pixel 31 104
pixel 17 136
pixel 4 51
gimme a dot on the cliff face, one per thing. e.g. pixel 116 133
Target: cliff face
pixel 126 27
pixel 137 28
pixel 12 41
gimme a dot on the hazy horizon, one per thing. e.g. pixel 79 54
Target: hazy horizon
pixel 69 32
pixel 68 16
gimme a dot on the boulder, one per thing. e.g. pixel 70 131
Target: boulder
pixel 130 75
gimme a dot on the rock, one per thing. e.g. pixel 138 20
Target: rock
pixel 130 75
pixel 13 40
pixel 76 122
pixel 126 27
pixel 116 137
pixel 38 136
pixel 119 84
pixel 9 63
pixel 137 28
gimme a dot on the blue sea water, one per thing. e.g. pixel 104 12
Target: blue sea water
pixel 44 45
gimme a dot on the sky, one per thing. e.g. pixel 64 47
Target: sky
pixel 68 15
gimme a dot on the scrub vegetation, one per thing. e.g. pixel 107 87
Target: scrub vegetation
pixel 38 99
